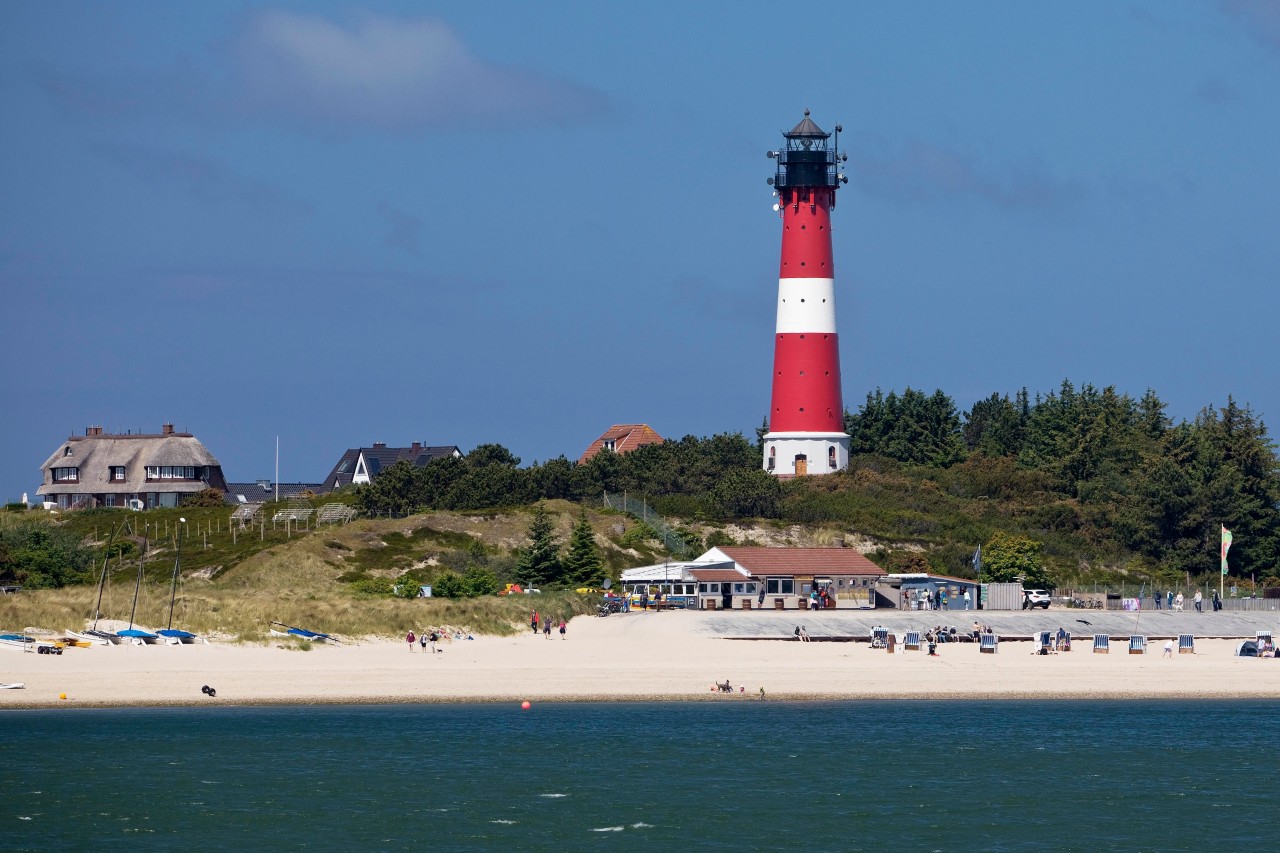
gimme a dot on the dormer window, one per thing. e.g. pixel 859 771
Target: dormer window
pixel 610 444
pixel 66 451
pixel 66 475
pixel 117 473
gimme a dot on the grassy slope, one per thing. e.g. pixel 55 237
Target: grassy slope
pixel 239 587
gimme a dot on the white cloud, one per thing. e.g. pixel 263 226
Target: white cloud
pixel 1261 18
pixel 392 74
pixel 923 172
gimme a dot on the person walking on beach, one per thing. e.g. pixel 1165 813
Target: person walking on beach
pixel 411 640
pixel 1199 601
pixel 1177 602
pixel 1156 595
pixel 562 628
pixel 546 628
pixel 644 600
pixel 1217 601
pixel 1169 599
pixel 533 623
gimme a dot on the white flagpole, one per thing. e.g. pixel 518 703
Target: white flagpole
pixel 277 469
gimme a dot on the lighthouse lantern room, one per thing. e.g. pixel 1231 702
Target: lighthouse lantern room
pixel 806 416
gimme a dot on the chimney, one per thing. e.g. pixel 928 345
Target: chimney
pixel 93 430
pixel 379 445
pixel 166 429
pixel 417 447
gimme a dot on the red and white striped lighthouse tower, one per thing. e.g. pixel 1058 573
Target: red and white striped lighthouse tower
pixel 806 418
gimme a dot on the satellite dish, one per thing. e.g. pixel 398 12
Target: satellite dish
pixel 608 582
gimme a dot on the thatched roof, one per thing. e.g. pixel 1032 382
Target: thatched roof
pixel 96 455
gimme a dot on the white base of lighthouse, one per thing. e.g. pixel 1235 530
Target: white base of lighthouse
pixel 789 454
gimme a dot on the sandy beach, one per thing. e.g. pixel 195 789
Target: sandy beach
pixel 638 656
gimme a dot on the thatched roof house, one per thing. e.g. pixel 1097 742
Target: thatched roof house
pixel 130 469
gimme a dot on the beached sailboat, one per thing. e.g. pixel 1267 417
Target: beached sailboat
pixel 279 629
pixel 92 634
pixel 27 643
pixel 171 634
pixel 138 636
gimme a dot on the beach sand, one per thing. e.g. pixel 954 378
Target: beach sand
pixel 639 656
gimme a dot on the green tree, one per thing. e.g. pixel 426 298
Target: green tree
pixel 38 554
pixel 1007 558
pixel 748 494
pixel 478 581
pixel 539 564
pixel 583 564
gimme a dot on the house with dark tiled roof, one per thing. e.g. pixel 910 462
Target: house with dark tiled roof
pixel 262 491
pixel 786 576
pixel 133 470
pixel 622 438
pixel 363 464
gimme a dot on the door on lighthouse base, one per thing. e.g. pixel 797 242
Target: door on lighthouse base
pixel 802 465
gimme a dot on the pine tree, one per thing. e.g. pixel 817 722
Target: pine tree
pixel 583 565
pixel 540 562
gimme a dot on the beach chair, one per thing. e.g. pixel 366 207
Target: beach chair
pixel 988 643
pixel 1101 644
pixel 1044 643
pixel 879 637
pixel 912 641
pixel 1137 645
pixel 1064 645
pixel 1186 644
pixel 1264 637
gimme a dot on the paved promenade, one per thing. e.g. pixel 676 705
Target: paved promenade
pixel 857 624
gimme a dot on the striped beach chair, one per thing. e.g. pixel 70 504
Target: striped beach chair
pixel 1137 645
pixel 988 643
pixel 1044 643
pixel 1186 644
pixel 1263 637
pixel 912 642
pixel 879 637
pixel 1064 645
pixel 1101 644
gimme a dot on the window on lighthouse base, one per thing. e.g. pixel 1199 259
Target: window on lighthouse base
pixel 831 457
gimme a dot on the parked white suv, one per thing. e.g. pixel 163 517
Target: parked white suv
pixel 1032 598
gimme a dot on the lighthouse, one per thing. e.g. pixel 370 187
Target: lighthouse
pixel 806 416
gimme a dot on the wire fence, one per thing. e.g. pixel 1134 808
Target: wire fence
pixel 670 537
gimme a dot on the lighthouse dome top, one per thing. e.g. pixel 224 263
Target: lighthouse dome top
pixel 806 129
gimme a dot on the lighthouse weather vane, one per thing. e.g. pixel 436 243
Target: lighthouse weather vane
pixel 806 414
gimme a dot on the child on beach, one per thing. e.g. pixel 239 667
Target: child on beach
pixel 562 628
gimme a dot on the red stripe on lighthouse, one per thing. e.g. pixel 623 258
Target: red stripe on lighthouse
pixel 806 235
pixel 806 384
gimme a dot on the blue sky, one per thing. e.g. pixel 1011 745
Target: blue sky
pixel 341 223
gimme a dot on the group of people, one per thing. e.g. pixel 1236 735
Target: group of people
pixel 820 599
pixel 802 634
pixel 942 634
pixel 938 599
pixel 545 623
pixel 979 630
pixel 430 638
pixel 1175 601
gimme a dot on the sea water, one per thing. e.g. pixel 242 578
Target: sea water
pixel 735 774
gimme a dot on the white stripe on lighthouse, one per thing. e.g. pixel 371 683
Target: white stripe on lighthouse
pixel 806 305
